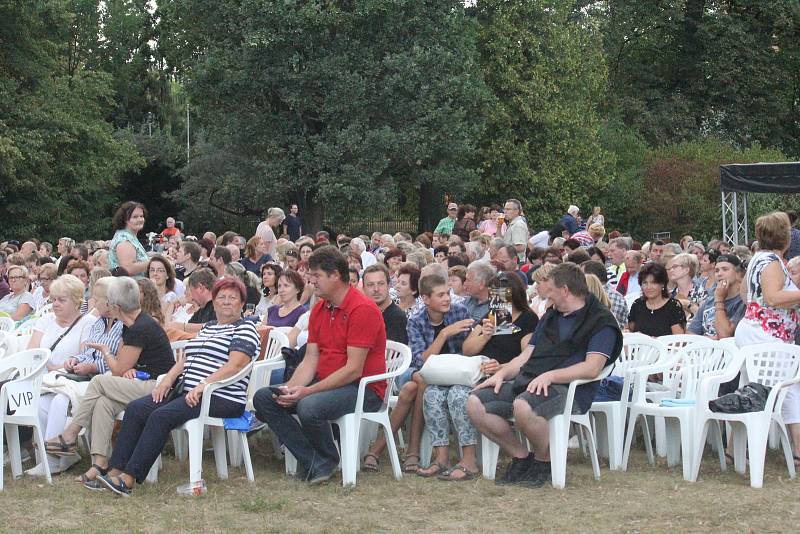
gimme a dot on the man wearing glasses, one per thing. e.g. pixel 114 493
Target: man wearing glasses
pixel 517 231
pixel 445 226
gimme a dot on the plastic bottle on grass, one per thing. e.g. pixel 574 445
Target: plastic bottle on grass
pixel 193 488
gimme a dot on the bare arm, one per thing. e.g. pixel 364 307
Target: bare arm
pixel 678 329
pixel 127 356
pixel 126 257
pixel 439 341
pixel 772 280
pixel 236 362
pixel 22 311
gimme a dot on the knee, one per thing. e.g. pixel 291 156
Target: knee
pixel 522 409
pixel 417 379
pixel 409 391
pixel 263 400
pixel 475 409
pixel 307 409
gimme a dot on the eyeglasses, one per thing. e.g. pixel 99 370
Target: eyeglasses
pixel 158 271
pixel 17 277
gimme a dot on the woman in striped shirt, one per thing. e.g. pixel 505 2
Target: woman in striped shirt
pixel 220 350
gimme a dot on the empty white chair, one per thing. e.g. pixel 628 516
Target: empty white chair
pixel 559 439
pixel 694 361
pixel 610 416
pixel 20 396
pixel 775 365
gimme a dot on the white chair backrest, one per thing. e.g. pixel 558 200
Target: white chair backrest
pixel 177 347
pixel 396 355
pixel 283 329
pixel 637 351
pixel 700 358
pixel 676 342
pixel 771 363
pixel 6 324
pixel 25 371
pixel 8 343
pixel 275 342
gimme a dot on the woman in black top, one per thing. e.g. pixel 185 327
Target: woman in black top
pixel 502 348
pixel 655 313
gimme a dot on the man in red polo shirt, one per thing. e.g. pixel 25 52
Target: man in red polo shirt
pixel 346 341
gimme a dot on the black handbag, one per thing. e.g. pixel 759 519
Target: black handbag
pixel 750 398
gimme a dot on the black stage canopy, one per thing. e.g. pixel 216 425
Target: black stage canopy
pixel 761 178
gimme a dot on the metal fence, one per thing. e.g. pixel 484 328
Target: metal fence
pixel 368 219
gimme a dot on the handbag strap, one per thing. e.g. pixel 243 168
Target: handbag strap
pixel 67 331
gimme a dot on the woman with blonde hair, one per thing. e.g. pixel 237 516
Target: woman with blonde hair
pixel 19 303
pixel 682 270
pixel 596 288
pixel 47 275
pixel 255 254
pixel 538 292
pixel 596 217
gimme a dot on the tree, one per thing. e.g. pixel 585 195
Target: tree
pixel 546 72
pixel 333 101
pixel 59 159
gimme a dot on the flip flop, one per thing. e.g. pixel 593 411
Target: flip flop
pixel 447 476
pixel 370 466
pixel 440 468
pixel 411 466
pixel 62 448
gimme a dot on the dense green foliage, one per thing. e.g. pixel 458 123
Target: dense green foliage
pixel 361 108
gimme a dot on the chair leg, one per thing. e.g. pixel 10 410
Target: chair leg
pixel 234 453
pixel 425 448
pixel 591 444
pixel 739 432
pixel 195 446
pixel 661 436
pixel 626 451
pixel 786 444
pixel 15 453
pixel 490 451
pixel 2 445
pixel 244 447
pixel 757 437
pixel 672 441
pixel 686 448
pixel 219 439
pixel 290 462
pixel 391 448
pixel 348 434
pixel 40 454
pixel 152 475
pixel 719 444
pixel 701 430
pixel 559 437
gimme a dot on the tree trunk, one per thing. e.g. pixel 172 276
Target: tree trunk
pixel 314 213
pixel 430 207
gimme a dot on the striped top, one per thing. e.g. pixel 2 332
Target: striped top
pixel 98 334
pixel 210 350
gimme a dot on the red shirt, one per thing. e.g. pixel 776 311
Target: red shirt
pixel 356 323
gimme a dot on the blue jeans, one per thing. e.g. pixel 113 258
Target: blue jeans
pixel 146 427
pixel 311 439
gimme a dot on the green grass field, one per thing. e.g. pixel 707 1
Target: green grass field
pixel 644 499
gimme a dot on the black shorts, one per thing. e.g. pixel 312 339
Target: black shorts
pixel 502 404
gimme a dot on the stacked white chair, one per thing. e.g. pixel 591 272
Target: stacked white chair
pixel 694 361
pixel 559 427
pixel 398 359
pixel 20 395
pixel 775 365
pixel 610 416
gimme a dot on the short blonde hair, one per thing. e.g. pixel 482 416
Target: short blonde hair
pixel 688 260
pixel 773 231
pixel 68 285
pixel 596 288
pixel 597 230
pixel 22 268
pixel 542 272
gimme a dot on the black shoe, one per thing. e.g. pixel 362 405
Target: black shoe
pixel 121 489
pixel 537 476
pixel 516 471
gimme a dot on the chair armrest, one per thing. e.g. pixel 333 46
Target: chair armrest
pixel 778 393
pixel 213 386
pixel 581 381
pixel 708 388
pixel 362 384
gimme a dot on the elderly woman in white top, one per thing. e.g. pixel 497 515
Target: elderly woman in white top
pixel 62 332
pixel 41 295
pixel 20 302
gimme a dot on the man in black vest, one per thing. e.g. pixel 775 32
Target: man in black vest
pixel 574 340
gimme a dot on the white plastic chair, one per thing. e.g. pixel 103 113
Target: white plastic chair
pixel 21 396
pixel 703 357
pixel 260 378
pixel 398 359
pixel 610 416
pixel 775 365
pixel 26 328
pixel 6 324
pixel 195 428
pixel 8 343
pixel 559 427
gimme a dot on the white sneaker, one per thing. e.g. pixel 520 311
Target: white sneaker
pixel 26 457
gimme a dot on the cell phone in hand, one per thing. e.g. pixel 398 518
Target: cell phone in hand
pixel 277 390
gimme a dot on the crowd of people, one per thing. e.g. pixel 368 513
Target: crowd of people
pixel 543 308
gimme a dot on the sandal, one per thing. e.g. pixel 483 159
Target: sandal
pixel 62 448
pixel 797 460
pixel 84 478
pixel 435 469
pixel 409 465
pixel 447 476
pixel 370 465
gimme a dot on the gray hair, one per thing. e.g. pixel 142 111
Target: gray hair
pixel 621 242
pixel 276 212
pixel 434 268
pixel 237 269
pixel 357 245
pixel 674 247
pixel 484 271
pixel 124 292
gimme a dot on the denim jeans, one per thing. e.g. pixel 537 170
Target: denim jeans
pixel 311 440
pixel 146 427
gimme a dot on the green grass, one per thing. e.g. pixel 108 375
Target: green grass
pixel 653 499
